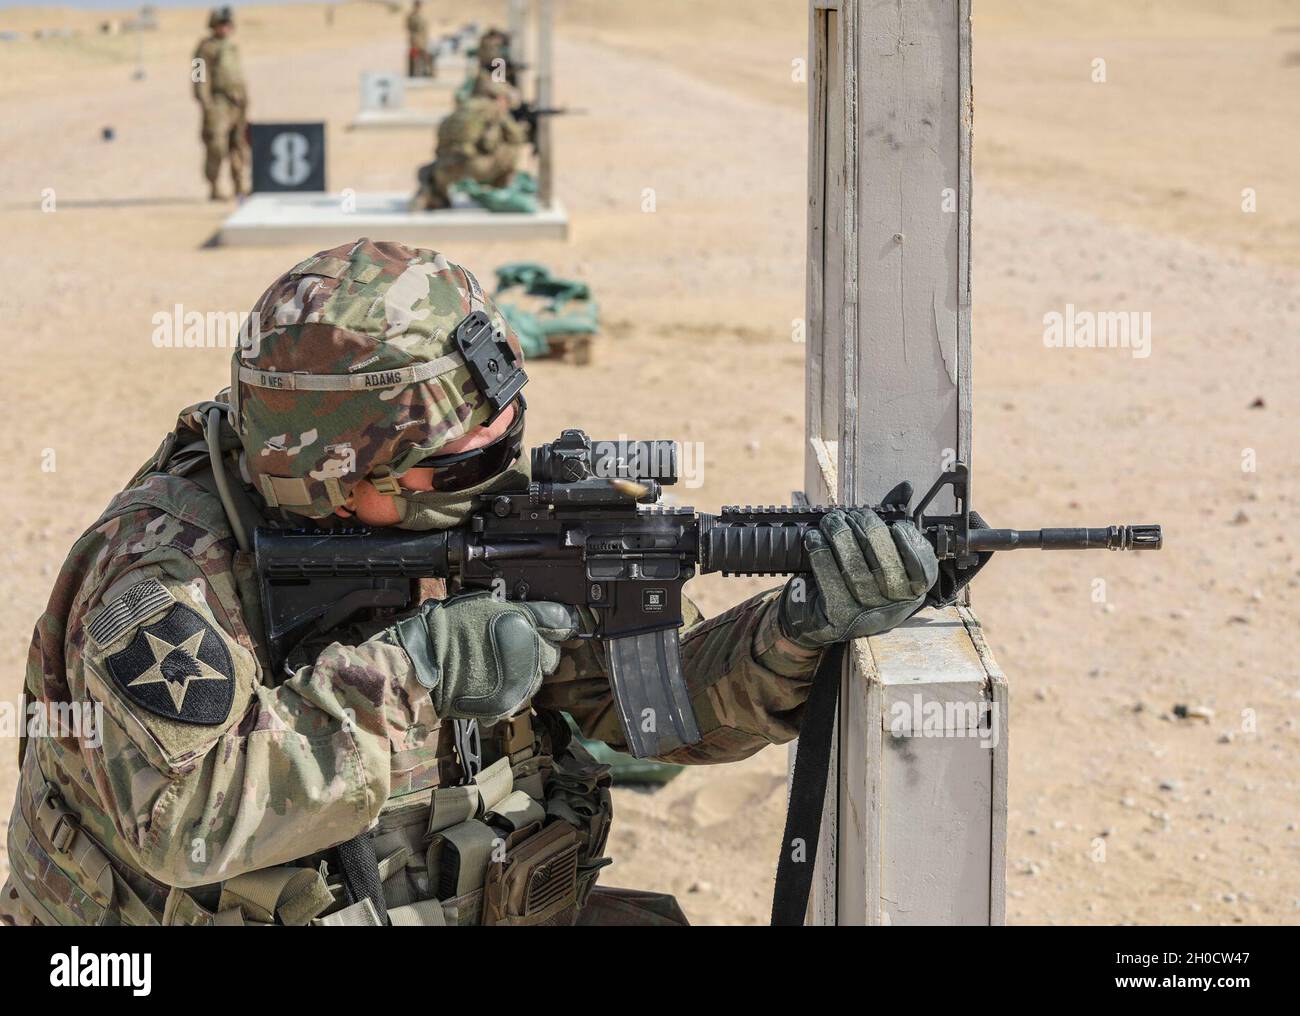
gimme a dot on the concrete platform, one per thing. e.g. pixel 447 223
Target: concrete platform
pixel 370 119
pixel 452 72
pixel 319 219
pixel 443 81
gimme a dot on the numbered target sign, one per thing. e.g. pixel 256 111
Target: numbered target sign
pixel 381 91
pixel 288 156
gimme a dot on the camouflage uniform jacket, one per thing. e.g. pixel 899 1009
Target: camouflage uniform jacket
pixel 417 31
pixel 478 127
pixel 222 74
pixel 155 604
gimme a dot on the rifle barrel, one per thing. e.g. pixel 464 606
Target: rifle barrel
pixel 1143 537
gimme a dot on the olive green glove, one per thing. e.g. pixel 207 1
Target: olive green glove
pixel 867 578
pixel 482 658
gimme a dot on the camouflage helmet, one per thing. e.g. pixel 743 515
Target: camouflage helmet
pixel 492 45
pixel 221 16
pixel 348 369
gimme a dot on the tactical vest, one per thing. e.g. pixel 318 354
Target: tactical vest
pixel 472 130
pixel 521 841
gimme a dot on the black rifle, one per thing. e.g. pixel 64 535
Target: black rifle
pixel 528 114
pixel 586 533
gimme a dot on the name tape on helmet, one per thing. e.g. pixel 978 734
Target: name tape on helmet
pixel 303 382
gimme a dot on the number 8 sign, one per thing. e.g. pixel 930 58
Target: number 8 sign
pixel 288 156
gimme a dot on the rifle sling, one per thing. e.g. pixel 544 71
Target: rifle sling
pixel 803 817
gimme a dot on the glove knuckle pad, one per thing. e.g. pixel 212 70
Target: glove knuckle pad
pixel 516 656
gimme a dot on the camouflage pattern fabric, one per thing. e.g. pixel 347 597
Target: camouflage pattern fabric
pixel 364 310
pixel 486 87
pixel 479 141
pixel 748 682
pixel 224 134
pixel 287 769
pixel 204 764
pixel 223 72
pixel 296 767
pixel 417 30
pixel 223 98
pixel 13 911
pixel 419 63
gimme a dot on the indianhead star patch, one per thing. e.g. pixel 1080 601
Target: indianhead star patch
pixel 178 668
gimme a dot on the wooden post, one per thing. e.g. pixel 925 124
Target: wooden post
pixel 915 827
pixel 542 77
pixel 517 25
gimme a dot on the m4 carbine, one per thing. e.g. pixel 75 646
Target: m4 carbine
pixel 587 533
pixel 528 114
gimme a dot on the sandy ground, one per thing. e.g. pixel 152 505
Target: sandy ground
pixel 1122 195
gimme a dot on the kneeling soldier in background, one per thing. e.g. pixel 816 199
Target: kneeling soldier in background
pixel 480 140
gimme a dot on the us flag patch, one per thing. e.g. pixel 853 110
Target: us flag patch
pixel 137 604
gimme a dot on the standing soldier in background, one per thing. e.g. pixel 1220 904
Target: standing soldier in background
pixel 418 62
pixel 219 86
pixel 480 141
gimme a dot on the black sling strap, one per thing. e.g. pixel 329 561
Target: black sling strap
pixel 360 871
pixel 803 818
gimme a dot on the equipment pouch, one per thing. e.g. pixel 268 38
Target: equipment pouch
pixel 537 883
pixel 52 893
pixel 458 857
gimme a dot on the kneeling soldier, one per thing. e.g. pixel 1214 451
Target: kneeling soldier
pixel 410 769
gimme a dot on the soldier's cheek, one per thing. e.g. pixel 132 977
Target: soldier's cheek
pixel 372 507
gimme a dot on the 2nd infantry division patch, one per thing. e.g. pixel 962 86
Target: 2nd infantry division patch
pixel 178 668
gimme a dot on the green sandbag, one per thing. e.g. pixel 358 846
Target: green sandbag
pixel 519 196
pixel 531 332
pixel 570 310
pixel 626 770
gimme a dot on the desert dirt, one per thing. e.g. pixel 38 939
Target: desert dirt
pixel 1126 194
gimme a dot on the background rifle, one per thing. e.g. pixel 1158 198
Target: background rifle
pixel 529 113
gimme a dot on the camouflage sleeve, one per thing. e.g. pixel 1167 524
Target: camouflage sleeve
pixel 232 73
pixel 491 136
pixel 201 75
pixel 748 683
pixel 516 132
pixel 205 771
